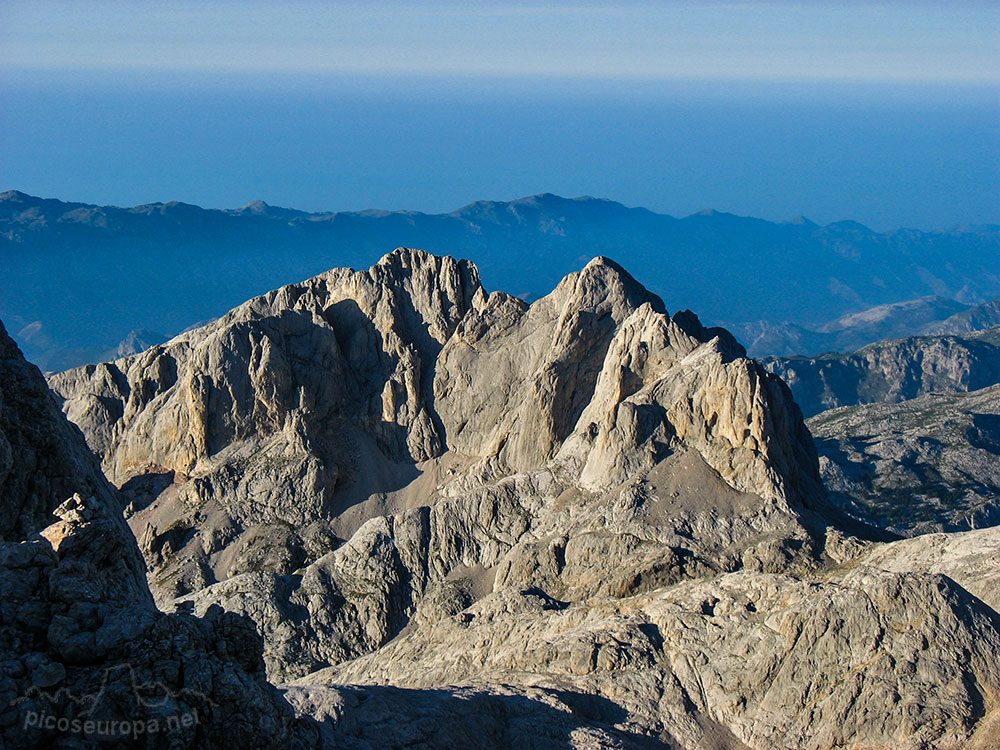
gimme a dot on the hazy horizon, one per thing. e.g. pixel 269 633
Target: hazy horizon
pixel 886 114
pixel 503 200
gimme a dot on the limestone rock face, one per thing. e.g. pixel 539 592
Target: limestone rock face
pixel 924 465
pixel 256 422
pixel 598 520
pixel 291 376
pixel 970 558
pixel 852 661
pixel 79 636
pixel 254 443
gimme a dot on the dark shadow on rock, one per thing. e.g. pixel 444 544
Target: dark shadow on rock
pixel 369 367
pixel 547 602
pixel 142 489
pixel 984 434
pixel 385 718
pixel 831 449
pixel 818 519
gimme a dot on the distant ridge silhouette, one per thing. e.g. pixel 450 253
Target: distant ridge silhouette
pixel 78 277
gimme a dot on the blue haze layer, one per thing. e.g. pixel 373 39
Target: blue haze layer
pixel 887 155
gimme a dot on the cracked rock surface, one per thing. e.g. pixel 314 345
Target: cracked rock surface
pixel 79 635
pixel 458 518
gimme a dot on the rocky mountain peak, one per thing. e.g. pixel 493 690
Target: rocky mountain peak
pixel 603 286
pixel 321 402
pixel 582 502
pixel 437 287
pixel 398 338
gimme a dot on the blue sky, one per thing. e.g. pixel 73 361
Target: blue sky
pixel 788 41
pixel 882 112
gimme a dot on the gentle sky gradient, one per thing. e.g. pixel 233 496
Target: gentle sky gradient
pixel 882 112
pixel 885 41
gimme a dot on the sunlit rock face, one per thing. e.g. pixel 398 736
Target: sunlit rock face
pixel 595 517
pixel 80 637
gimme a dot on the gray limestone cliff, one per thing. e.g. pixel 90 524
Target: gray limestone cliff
pixel 79 635
pixel 585 516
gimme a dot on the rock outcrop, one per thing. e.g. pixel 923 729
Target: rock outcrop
pixel 584 516
pixel 924 465
pixel 970 558
pixel 744 660
pixel 86 658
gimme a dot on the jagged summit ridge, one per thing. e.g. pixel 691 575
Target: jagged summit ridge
pixel 403 479
pixel 408 342
pixel 308 413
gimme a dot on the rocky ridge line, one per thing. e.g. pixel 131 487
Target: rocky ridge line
pixel 892 371
pixel 406 481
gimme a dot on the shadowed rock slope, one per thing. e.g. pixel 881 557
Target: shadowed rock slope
pixel 924 465
pixel 79 635
pixel 583 515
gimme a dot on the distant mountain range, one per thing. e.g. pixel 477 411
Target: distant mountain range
pixel 81 277
pixel 892 371
pixel 976 318
pixel 915 317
